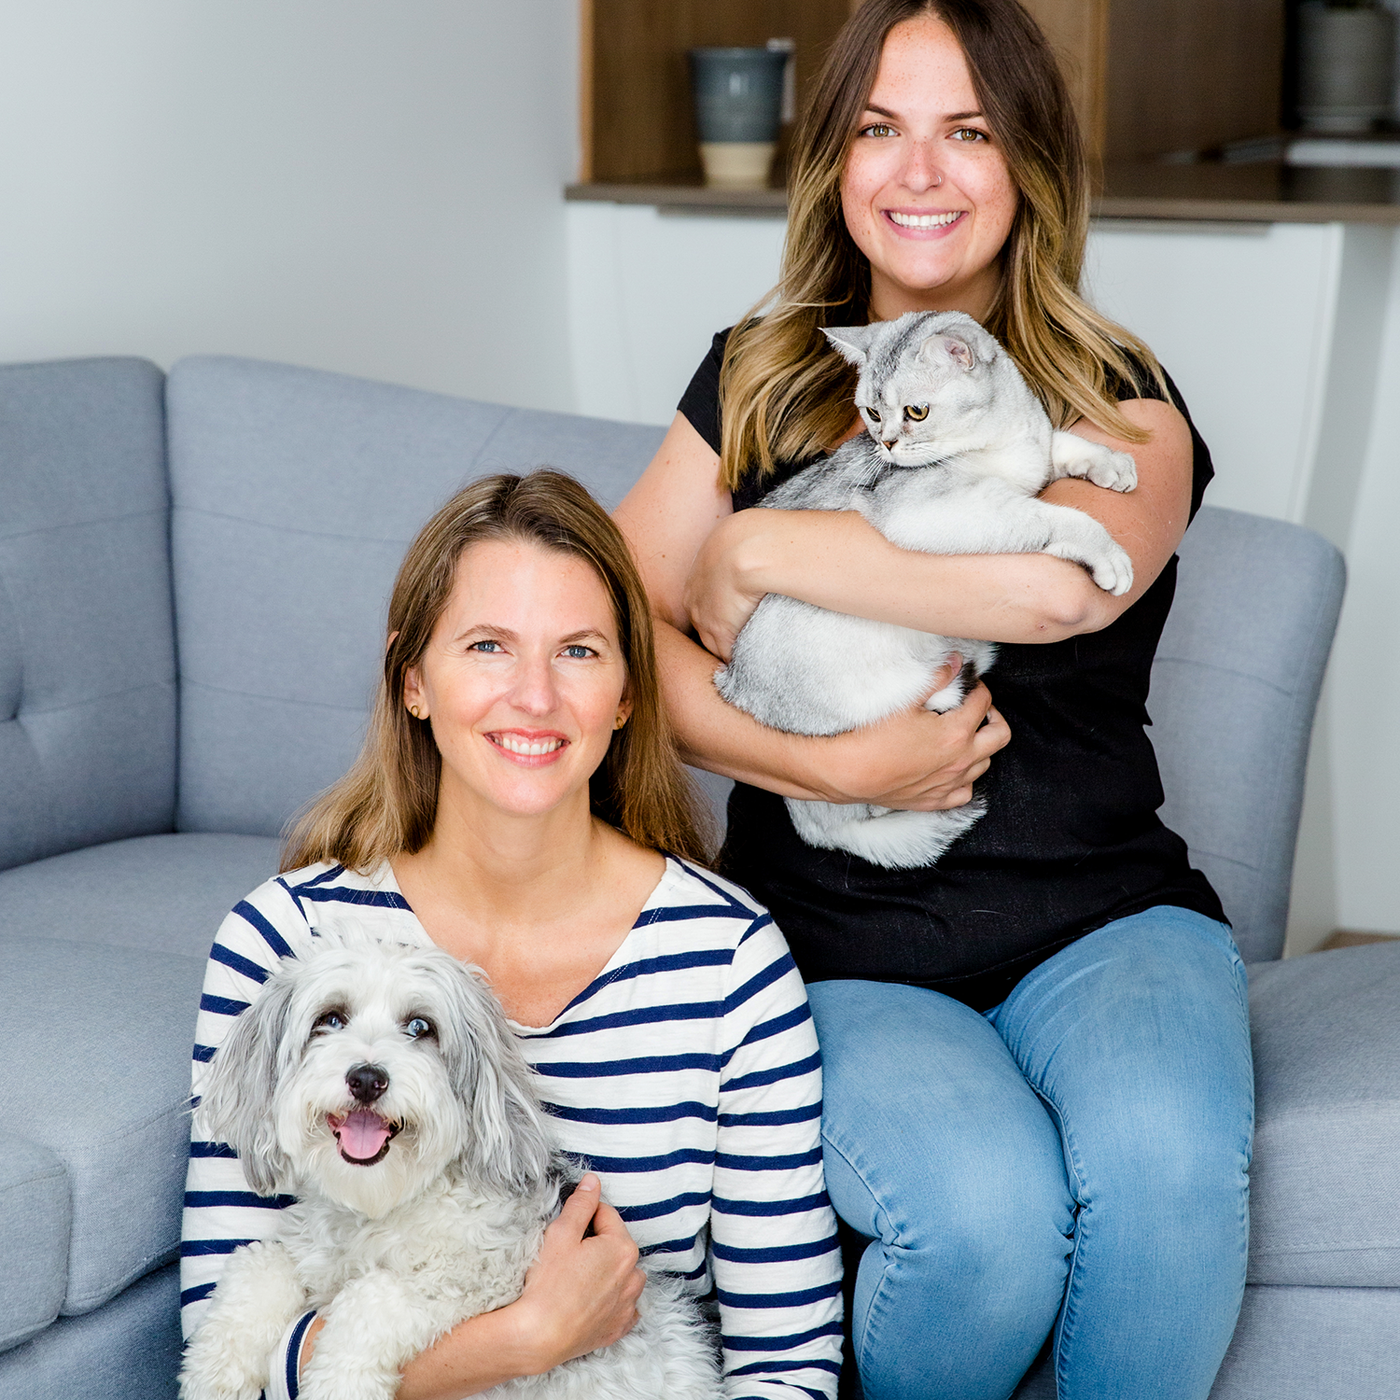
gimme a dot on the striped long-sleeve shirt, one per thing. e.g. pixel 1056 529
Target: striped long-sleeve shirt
pixel 686 1075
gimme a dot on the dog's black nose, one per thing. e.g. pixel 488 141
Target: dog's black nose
pixel 367 1082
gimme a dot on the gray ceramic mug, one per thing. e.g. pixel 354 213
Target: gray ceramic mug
pixel 738 107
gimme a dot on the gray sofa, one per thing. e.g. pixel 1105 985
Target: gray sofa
pixel 193 572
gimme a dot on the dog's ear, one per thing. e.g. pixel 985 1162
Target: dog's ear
pixel 237 1104
pixel 505 1144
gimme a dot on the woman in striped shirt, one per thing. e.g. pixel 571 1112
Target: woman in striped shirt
pixel 510 805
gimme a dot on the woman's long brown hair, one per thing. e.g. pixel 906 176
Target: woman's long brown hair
pixel 786 394
pixel 387 803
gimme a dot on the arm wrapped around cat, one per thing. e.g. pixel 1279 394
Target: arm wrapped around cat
pixel 957 452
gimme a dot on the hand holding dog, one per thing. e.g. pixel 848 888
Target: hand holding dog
pixel 581 1293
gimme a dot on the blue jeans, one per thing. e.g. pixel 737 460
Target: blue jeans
pixel 1076 1159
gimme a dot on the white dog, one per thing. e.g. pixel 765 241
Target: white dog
pixel 382 1087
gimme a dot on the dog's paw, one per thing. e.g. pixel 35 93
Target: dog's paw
pixel 216 1372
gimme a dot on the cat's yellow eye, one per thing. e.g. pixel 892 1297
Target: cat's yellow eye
pixel 874 413
pixel 917 411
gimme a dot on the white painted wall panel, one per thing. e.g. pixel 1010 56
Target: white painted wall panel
pixel 1364 686
pixel 1242 321
pixel 350 184
pixel 647 292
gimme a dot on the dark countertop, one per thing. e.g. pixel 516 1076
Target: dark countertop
pixel 1266 192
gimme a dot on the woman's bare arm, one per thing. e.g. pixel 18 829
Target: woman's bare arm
pixel 580 1295
pixel 838 561
pixel 915 760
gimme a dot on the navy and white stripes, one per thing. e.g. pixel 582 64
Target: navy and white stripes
pixel 686 1074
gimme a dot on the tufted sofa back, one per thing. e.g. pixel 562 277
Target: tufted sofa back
pixel 296 493
pixel 87 651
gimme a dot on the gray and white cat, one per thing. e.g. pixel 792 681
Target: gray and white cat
pixel 958 448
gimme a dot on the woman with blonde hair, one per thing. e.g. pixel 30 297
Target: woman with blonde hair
pixel 519 803
pixel 1038 1089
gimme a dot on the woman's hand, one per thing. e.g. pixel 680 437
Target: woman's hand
pixel 581 1293
pixel 916 760
pixel 725 584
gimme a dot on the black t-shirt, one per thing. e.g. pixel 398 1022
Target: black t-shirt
pixel 1071 839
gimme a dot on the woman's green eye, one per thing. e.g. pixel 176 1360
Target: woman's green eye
pixel 917 411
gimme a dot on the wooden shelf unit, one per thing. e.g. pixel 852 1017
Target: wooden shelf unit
pixel 1149 77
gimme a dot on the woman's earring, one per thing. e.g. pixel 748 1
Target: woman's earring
pixel 413 710
pixel 620 720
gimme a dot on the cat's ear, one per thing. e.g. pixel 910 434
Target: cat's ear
pixel 948 345
pixel 852 343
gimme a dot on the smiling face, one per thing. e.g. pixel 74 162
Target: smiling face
pixel 523 681
pixel 926 192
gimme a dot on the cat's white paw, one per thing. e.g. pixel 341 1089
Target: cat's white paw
pixel 1115 471
pixel 1113 572
pixel 1072 455
pixel 1110 568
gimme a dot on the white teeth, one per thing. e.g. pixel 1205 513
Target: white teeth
pixel 531 748
pixel 924 220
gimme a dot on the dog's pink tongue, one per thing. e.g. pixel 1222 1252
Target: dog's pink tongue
pixel 362 1134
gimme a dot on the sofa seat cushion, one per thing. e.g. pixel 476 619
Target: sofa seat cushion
pixel 1326 1177
pixel 103 952
pixel 34 1209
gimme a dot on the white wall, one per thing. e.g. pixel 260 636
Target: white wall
pixel 371 186
pixel 647 291
pixel 1364 685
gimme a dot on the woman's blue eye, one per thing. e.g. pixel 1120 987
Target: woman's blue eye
pixel 578 652
pixel 418 1027
pixel 488 647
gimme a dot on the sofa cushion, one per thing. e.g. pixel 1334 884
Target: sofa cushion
pixel 295 495
pixel 129 1350
pixel 1233 692
pixel 97 1056
pixel 103 952
pixel 34 1215
pixel 87 664
pixel 167 894
pixel 1313 1344
pixel 1326 1177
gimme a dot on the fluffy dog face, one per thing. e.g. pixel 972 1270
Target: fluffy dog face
pixel 365 1072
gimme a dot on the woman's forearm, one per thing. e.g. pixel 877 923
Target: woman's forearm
pixel 476 1355
pixel 837 560
pixel 915 759
pixel 482 1352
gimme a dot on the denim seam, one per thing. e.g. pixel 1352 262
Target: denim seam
pixel 859 1342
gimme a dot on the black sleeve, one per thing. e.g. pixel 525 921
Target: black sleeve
pixel 1143 385
pixel 700 402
